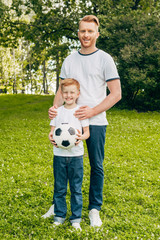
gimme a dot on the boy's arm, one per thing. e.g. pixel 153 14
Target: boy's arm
pixel 57 102
pixel 86 133
pixel 51 135
pixel 83 136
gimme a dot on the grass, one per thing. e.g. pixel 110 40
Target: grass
pixel 131 204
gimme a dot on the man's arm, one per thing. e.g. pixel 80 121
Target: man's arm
pixel 58 98
pixel 114 96
pixel 57 102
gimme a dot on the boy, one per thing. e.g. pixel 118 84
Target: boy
pixel 68 163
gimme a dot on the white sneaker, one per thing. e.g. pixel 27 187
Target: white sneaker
pixel 77 226
pixel 56 224
pixel 49 213
pixel 94 217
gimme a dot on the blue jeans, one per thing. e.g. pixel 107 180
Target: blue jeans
pixel 68 168
pixel 95 145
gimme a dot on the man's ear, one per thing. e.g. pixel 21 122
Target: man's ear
pixel 78 34
pixel 98 35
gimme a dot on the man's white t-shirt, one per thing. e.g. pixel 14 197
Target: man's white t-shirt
pixel 65 115
pixel 92 71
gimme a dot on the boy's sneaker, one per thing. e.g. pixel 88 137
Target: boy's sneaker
pixel 56 224
pixel 49 213
pixel 77 226
pixel 94 217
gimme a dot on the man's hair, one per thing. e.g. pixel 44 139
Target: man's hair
pixel 90 18
pixel 68 82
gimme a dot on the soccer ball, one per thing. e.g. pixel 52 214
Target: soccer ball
pixel 65 136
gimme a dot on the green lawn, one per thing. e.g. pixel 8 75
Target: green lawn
pixel 131 206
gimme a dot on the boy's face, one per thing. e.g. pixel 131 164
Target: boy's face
pixel 88 34
pixel 70 94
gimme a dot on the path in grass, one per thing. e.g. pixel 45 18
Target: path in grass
pixel 131 208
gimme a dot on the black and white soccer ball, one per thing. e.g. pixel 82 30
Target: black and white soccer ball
pixel 65 136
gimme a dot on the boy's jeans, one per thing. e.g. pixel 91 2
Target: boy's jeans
pixel 95 145
pixel 68 168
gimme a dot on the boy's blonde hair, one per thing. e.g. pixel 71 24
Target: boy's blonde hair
pixel 90 18
pixel 69 82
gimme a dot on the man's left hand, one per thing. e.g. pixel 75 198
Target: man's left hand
pixel 84 112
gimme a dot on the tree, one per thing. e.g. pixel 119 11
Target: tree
pixel 44 24
pixel 133 40
pixel 129 31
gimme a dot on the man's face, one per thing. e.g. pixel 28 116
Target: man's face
pixel 88 34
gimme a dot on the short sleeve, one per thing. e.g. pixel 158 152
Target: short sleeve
pixel 110 69
pixel 53 122
pixel 85 123
pixel 63 74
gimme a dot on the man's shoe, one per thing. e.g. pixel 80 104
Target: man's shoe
pixel 94 217
pixel 77 226
pixel 49 213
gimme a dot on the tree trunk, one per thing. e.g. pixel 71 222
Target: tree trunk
pixel 57 72
pixel 30 76
pixel 14 78
pixel 44 76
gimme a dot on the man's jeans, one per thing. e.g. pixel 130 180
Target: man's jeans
pixel 68 168
pixel 95 145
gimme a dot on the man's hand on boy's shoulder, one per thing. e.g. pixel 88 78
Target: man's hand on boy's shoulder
pixel 52 112
pixel 84 112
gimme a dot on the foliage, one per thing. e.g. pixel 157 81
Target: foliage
pixel 45 32
pixel 20 72
pixel 42 25
pixel 133 40
pixel 110 8
pixel 131 185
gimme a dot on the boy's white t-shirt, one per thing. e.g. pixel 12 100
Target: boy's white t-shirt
pixel 65 115
pixel 92 71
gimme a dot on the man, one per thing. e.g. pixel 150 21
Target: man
pixel 92 67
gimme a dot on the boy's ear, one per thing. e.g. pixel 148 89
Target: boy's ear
pixel 78 93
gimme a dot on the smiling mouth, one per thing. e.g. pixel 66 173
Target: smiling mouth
pixel 86 40
pixel 68 99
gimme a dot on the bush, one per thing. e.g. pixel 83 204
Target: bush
pixel 133 41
